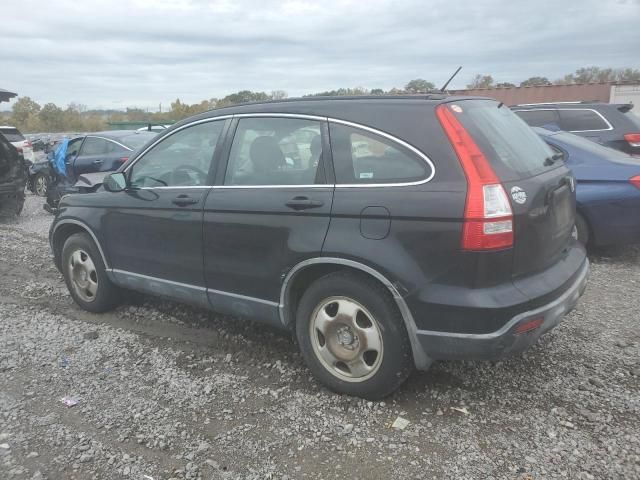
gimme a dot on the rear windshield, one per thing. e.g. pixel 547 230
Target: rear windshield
pixel 12 134
pixel 137 140
pixel 514 149
pixel 633 117
pixel 593 147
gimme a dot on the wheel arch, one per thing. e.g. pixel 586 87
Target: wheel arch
pixel 304 273
pixel 63 230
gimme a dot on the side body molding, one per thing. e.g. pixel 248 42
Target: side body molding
pixel 420 358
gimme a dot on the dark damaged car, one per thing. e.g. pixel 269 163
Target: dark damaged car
pixel 384 232
pixel 13 178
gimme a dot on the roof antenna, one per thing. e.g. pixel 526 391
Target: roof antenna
pixel 450 78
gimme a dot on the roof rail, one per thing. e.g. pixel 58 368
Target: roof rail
pixel 556 103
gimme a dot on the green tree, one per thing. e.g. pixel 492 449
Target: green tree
pixel 535 82
pixel 22 110
pixel 481 81
pixel 419 85
pixel 278 95
pixel 505 85
pixel 377 91
pixel 600 75
pixel 51 118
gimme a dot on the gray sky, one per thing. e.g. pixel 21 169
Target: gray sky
pixel 114 54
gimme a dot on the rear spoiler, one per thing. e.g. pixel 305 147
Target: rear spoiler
pixel 625 108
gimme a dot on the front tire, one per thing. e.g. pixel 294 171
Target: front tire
pixel 352 336
pixel 85 275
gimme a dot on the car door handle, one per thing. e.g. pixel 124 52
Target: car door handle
pixel 97 161
pixel 302 203
pixel 184 200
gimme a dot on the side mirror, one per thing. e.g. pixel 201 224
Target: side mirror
pixel 115 182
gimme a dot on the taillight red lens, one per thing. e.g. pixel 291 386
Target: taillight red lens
pixel 529 325
pixel 488 218
pixel 123 159
pixel 635 181
pixel 633 139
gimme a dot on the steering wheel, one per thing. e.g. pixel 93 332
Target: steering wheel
pixel 201 174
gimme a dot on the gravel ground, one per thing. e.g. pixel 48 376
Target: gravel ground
pixel 167 391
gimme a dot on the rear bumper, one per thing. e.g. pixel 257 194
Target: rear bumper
pixel 486 346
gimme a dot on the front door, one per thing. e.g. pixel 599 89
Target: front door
pixel 154 227
pixel 271 212
pixel 98 155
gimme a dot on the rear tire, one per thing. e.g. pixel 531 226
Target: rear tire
pixel 352 336
pixel 40 184
pixel 85 275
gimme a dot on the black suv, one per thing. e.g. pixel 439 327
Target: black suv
pixel 385 232
pixel 613 125
pixel 13 178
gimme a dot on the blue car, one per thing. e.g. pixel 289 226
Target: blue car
pixel 608 189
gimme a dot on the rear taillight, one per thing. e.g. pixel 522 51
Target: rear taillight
pixel 28 144
pixel 123 159
pixel 488 218
pixel 633 139
pixel 635 181
pixel 529 325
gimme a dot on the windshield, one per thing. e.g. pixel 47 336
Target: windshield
pixel 12 134
pixel 514 149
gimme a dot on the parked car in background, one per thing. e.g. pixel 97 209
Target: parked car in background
pixel 447 236
pixel 19 141
pixel 613 125
pixel 608 189
pixel 97 152
pixel 12 178
pixel 153 128
pixel 39 176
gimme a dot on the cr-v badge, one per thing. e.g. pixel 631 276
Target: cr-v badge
pixel 519 195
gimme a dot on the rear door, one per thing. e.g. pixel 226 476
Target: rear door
pixel 269 212
pixel 540 189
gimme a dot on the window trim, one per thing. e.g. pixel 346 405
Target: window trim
pixel 610 127
pixel 222 137
pixel 302 116
pixel 388 136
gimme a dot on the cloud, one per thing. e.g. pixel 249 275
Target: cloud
pixel 113 54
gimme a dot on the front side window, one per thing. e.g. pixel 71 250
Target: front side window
pixel 362 157
pixel 275 151
pixel 73 147
pixel 179 160
pixel 581 120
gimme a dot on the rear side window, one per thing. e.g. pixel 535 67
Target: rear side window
pixel 582 120
pixel 363 157
pixel 12 134
pixel 512 147
pixel 539 118
pixel 276 151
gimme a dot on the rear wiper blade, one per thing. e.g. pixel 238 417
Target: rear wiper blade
pixel 552 159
